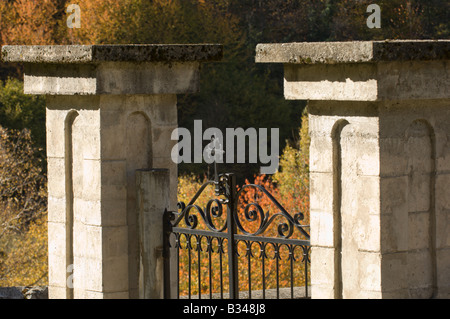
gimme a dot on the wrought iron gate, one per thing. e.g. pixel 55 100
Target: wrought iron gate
pixel 183 232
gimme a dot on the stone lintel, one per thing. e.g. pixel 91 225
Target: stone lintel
pixel 362 71
pixel 353 52
pixel 112 53
pixel 112 69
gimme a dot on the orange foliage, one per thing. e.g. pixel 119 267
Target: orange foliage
pixel 28 22
pixel 291 191
pixel 23 212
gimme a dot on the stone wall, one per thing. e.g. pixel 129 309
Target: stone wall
pixel 379 163
pixel 381 200
pixel 24 293
pixel 111 110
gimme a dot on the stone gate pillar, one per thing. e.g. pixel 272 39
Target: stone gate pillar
pixel 379 163
pixel 111 110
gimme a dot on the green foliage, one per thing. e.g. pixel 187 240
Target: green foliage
pixel 236 92
pixel 400 19
pixel 19 111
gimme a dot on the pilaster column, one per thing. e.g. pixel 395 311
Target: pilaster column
pixel 111 110
pixel 379 164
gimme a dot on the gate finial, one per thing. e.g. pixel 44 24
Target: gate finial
pixel 215 149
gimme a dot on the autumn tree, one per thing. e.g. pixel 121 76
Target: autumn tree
pixel 292 178
pixel 289 186
pixel 28 22
pixel 23 211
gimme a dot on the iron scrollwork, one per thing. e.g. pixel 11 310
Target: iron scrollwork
pixel 222 222
pixel 229 202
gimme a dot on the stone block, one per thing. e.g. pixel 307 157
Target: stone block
pixel 394 233
pixel 161 141
pixel 147 78
pixel 367 156
pixel 87 294
pixel 442 191
pixel 56 209
pixel 90 177
pixel 114 211
pixel 89 241
pixel 442 197
pixel 69 104
pixel 443 269
pixel 320 124
pixel 322 229
pixel 323 292
pixel 60 79
pixel 55 133
pixel 443 151
pixel 113 78
pixel 55 292
pixel 115 241
pixel 394 273
pixel 349 82
pixel 394 195
pixel 162 109
pixel 87 275
pixel 57 269
pixel 152 198
pixel 167 163
pixel 368 294
pixel 321 154
pixel 442 228
pixel 114 278
pixel 368 196
pixel 321 198
pixel 366 233
pixel 56 168
pixel 113 135
pixel 419 230
pixel 392 157
pixel 369 277
pixel 57 231
pixel 324 258
pixel 114 172
pixel 116 295
pixel 420 276
pixel 409 80
pixel 87 212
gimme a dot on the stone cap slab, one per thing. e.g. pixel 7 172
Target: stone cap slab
pixel 352 52
pixel 112 53
pixel 112 69
pixel 362 70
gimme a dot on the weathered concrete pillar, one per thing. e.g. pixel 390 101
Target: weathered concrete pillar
pixel 153 198
pixel 379 162
pixel 110 111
